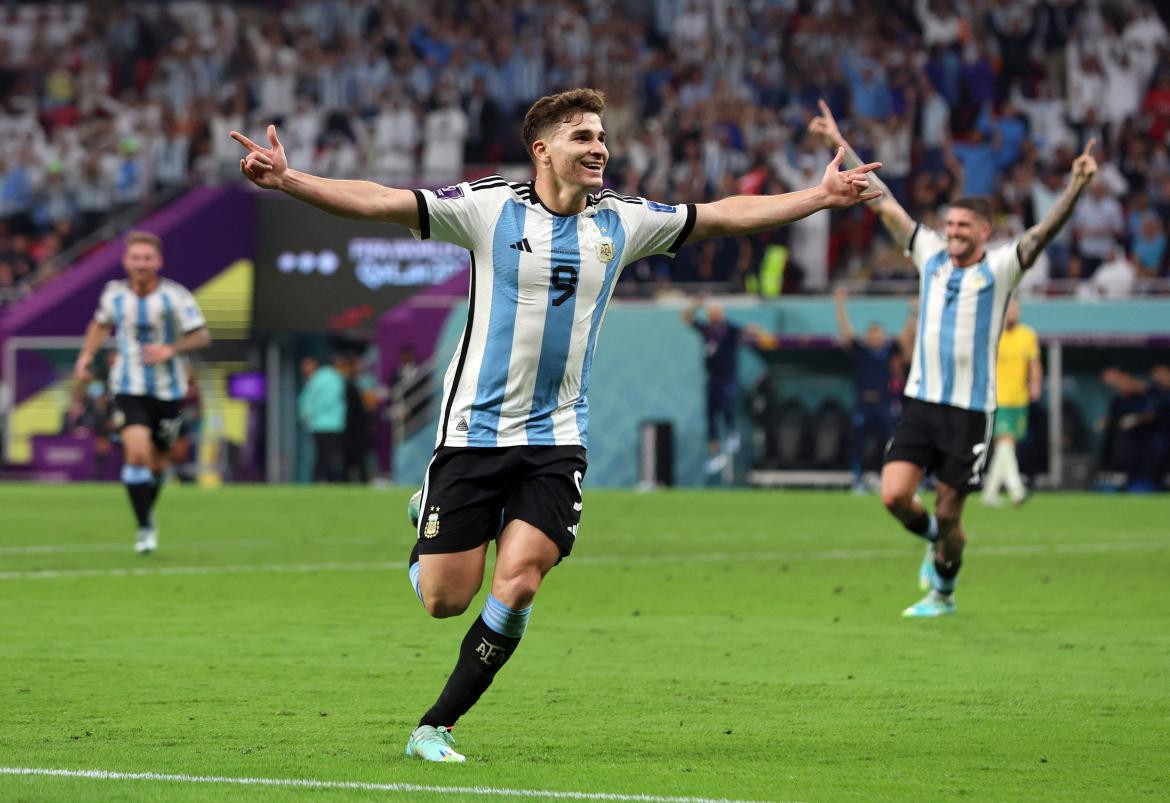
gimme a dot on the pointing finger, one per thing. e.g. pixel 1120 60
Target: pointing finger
pixel 1092 143
pixel 247 143
pixel 272 136
pixel 867 168
pixel 837 159
pixel 824 107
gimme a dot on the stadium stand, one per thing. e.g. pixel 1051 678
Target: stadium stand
pixel 103 105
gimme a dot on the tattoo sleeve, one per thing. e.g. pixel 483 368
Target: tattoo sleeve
pixel 1039 236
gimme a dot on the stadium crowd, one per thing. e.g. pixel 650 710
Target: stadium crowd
pixel 103 104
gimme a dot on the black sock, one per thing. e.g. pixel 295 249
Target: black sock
pixel 140 496
pixel 481 655
pixel 947 570
pixel 156 485
pixel 946 573
pixel 920 526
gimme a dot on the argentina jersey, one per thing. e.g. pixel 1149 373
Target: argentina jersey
pixel 540 285
pixel 162 317
pixel 960 317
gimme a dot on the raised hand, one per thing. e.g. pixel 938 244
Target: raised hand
pixel 1084 167
pixel 847 187
pixel 264 167
pixel 825 125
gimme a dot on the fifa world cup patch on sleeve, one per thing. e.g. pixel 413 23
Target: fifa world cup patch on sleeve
pixel 447 193
pixel 657 207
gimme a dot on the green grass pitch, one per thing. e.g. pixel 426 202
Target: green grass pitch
pixel 742 645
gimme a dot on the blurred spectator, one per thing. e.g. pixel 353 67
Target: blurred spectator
pixel 873 367
pixel 1136 427
pixel 1115 278
pixel 184 454
pixel 358 411
pixel 1160 408
pixel 321 409
pixel 1097 224
pixel 89 413
pixel 1149 246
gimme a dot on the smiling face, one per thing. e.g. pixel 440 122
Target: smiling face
pixel 142 262
pixel 574 150
pixel 967 233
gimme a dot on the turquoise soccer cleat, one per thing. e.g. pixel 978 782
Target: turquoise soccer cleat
pixel 412 508
pixel 932 605
pixel 432 744
pixel 926 570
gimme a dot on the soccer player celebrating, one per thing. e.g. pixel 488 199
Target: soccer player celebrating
pixel 950 395
pixel 510 450
pixel 156 321
pixel 1018 378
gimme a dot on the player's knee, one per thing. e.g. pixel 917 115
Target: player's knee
pixel 896 500
pixel 441 606
pixel 137 457
pixel 517 592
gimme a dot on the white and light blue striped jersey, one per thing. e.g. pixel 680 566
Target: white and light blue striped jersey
pixel 960 317
pixel 540 285
pixel 163 316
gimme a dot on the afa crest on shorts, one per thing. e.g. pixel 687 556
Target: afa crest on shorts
pixel 432 526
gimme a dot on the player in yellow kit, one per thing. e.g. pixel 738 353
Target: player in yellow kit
pixel 1018 378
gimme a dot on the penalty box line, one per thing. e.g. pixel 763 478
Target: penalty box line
pixel 309 783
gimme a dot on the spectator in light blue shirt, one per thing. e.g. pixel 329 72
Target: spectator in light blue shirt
pixel 978 158
pixel 321 408
pixel 1149 246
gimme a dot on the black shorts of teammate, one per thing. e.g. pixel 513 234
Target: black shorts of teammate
pixel 469 493
pixel 949 442
pixel 162 418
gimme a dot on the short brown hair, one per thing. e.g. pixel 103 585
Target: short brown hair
pixel 139 236
pixel 559 108
pixel 980 206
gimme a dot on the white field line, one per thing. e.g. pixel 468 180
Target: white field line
pixel 308 783
pixel 181 545
pixel 1009 550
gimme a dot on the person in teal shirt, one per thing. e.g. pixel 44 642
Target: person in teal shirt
pixel 321 408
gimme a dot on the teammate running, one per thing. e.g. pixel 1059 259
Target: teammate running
pixel 156 322
pixel 945 429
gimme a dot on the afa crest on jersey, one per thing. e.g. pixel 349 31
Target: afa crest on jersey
pixel 605 250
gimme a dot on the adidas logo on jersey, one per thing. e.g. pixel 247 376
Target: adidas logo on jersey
pixel 521 246
pixel 462 425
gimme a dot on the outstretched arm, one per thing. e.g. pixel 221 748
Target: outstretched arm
pixel 1039 236
pixel 839 296
pixel 362 200
pixel 750 214
pixel 897 221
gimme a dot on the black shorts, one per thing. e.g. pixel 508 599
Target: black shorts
pixel 950 442
pixel 469 493
pixel 162 418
